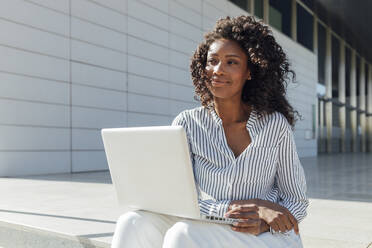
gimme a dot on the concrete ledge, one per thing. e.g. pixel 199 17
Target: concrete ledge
pixel 21 236
pixel 81 210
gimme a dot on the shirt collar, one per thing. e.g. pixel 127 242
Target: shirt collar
pixel 254 122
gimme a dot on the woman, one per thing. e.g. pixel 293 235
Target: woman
pixel 241 146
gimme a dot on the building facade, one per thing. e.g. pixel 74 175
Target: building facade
pixel 69 68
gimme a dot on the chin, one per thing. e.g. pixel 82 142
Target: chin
pixel 223 96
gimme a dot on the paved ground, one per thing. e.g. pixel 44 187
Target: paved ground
pixel 340 191
pixel 82 207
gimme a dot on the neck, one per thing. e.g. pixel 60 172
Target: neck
pixel 231 111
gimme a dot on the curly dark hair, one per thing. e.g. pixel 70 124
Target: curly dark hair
pixel 269 66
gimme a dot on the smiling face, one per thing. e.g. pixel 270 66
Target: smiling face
pixel 227 69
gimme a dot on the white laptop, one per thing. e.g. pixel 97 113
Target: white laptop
pixel 151 170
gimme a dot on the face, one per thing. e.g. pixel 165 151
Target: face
pixel 227 69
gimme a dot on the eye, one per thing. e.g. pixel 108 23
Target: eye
pixel 212 61
pixel 232 62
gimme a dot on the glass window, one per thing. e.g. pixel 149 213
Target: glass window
pixel 309 4
pixel 280 15
pixel 347 71
pixel 243 4
pixel 366 77
pixel 258 8
pixel 321 53
pixel 335 65
pixel 357 77
pixel 304 27
pixel 322 13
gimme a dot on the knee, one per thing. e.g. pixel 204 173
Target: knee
pixel 126 230
pixel 180 234
pixel 130 220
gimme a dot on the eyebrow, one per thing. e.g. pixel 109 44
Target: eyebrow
pixel 229 55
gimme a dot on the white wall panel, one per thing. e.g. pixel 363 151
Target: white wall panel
pixel 117 5
pixel 144 120
pixel 181 44
pixel 179 76
pixel 89 161
pixel 162 5
pixel 195 5
pixel 96 118
pixel 95 13
pixel 86 139
pixel 185 30
pixel 147 86
pixel 215 9
pixel 27 38
pixel 177 9
pixel 37 16
pixel 60 5
pixel 34 138
pixel 91 54
pixel 99 77
pixel 98 35
pixel 34 89
pixel 177 107
pixel 147 32
pixel 33 64
pixel 34 163
pixel 99 98
pixel 208 24
pixel 147 14
pixel 146 104
pixel 148 50
pixel 29 113
pixel 180 92
pixel 147 68
pixel 41 67
pixel 179 59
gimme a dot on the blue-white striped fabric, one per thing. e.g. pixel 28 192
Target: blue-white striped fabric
pixel 269 168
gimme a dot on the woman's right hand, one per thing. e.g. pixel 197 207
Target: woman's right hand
pixel 276 216
pixel 249 219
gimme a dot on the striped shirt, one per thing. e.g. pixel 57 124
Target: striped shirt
pixel 269 168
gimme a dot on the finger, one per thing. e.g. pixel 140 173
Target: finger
pixel 287 223
pixel 280 225
pixel 247 223
pixel 232 210
pixel 254 231
pixel 274 226
pixel 240 208
pixel 244 215
pixel 294 223
pixel 250 207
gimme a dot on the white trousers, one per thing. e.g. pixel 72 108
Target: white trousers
pixel 141 229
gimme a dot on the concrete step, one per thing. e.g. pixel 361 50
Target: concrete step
pixel 21 236
pixel 64 210
pixel 80 210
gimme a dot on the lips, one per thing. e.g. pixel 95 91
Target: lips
pixel 218 82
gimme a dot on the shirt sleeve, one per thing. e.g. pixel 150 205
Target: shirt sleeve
pixel 291 180
pixel 209 207
pixel 213 207
pixel 180 120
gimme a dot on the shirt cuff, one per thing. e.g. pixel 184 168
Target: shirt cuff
pixel 223 207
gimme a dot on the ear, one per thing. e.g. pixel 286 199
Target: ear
pixel 249 77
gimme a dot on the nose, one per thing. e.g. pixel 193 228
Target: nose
pixel 218 69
